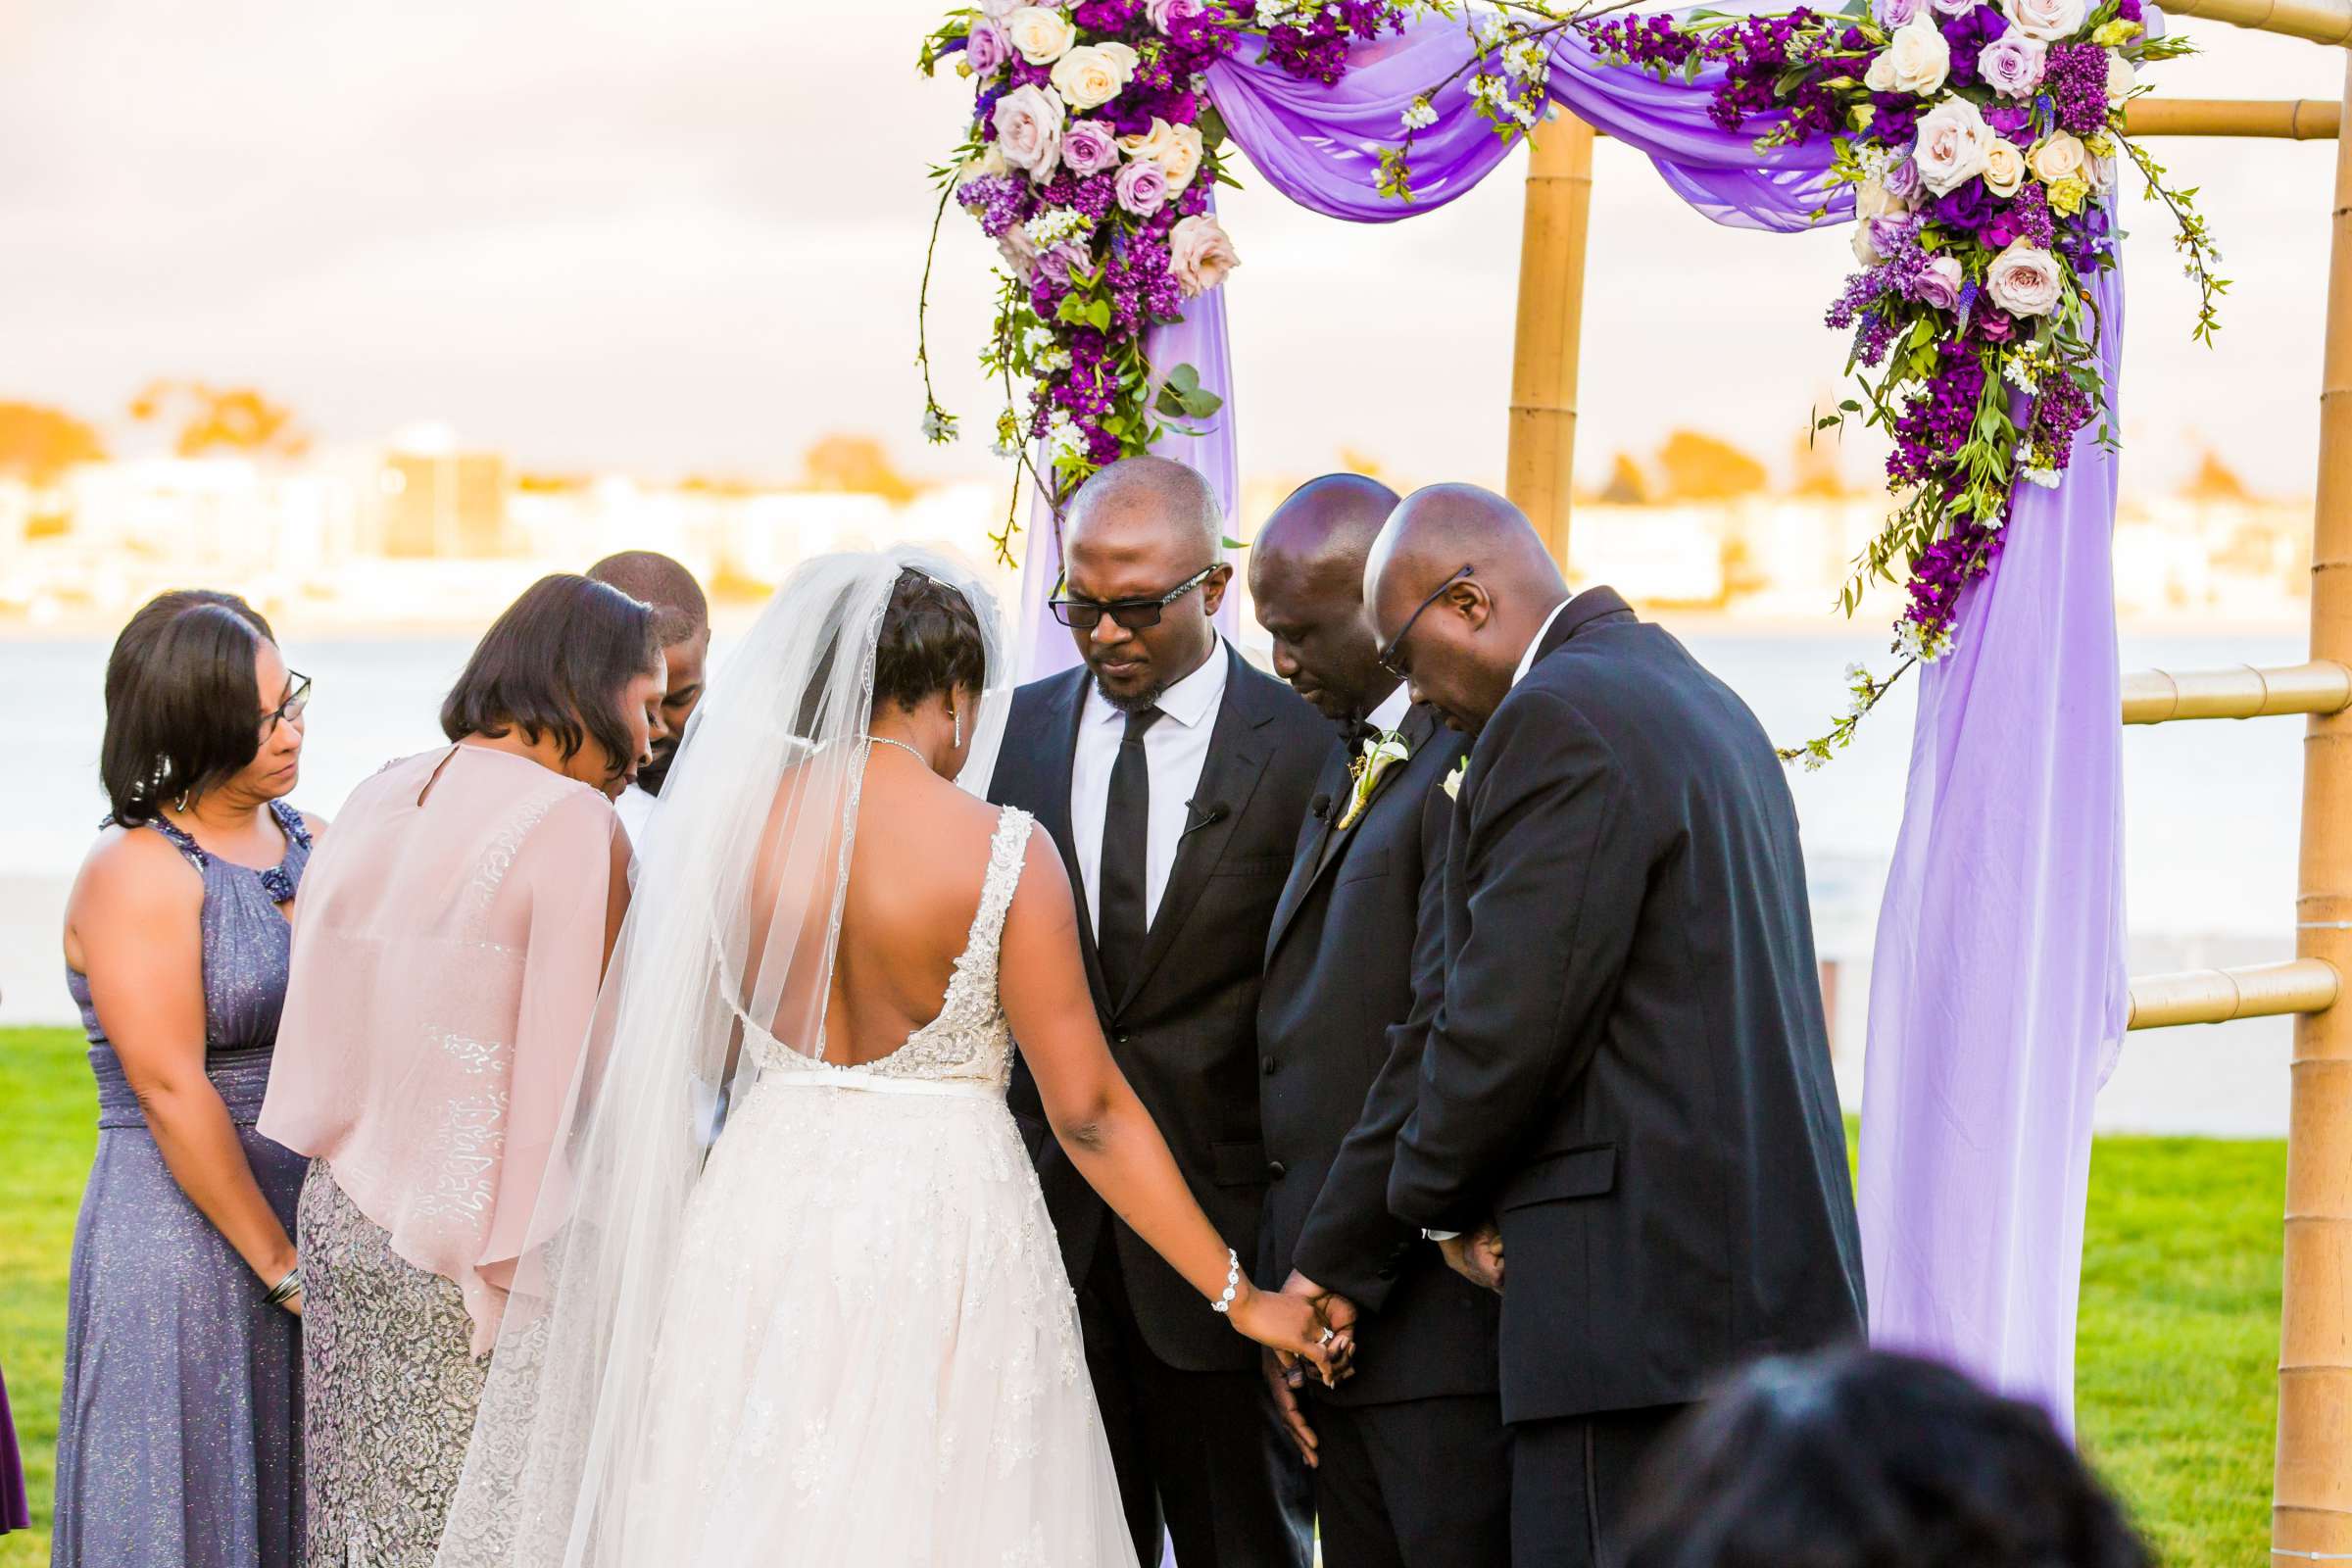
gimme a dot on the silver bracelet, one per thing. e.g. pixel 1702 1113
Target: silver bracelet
pixel 285 1289
pixel 1232 1282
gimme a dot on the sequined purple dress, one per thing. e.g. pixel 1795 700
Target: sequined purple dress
pixel 179 1435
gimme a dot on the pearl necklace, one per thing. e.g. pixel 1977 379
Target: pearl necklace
pixel 884 740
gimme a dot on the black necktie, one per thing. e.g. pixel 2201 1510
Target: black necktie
pixel 1120 922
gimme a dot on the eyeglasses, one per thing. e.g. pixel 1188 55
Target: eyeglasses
pixel 1085 614
pixel 1387 655
pixel 291 708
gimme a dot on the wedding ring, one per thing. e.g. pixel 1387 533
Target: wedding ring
pixel 1326 1339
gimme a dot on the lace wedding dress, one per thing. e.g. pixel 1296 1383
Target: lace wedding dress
pixel 884 1368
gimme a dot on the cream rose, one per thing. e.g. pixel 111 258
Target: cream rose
pixel 1199 253
pixel 2120 77
pixel 1871 199
pixel 1864 251
pixel 1042 36
pixel 1953 140
pixel 2050 21
pixel 1092 74
pixel 2004 167
pixel 2024 280
pixel 1916 60
pixel 1175 148
pixel 2056 156
pixel 1029 122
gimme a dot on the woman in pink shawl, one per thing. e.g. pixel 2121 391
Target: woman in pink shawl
pixel 447 953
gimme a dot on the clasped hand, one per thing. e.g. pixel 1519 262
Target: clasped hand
pixel 1286 1375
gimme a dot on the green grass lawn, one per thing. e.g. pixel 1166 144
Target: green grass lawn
pixel 2180 1330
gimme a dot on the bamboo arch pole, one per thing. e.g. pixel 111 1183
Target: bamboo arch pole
pixel 2311 1490
pixel 2319 21
pixel 1552 308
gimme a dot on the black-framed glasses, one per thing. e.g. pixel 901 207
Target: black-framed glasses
pixel 1085 614
pixel 1387 655
pixel 291 708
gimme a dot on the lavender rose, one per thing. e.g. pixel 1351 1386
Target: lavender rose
pixel 2046 20
pixel 1089 147
pixel 1142 187
pixel 1940 282
pixel 1029 122
pixel 1893 14
pixel 1055 262
pixel 1199 253
pixel 1165 13
pixel 986 50
pixel 2012 64
pixel 2024 280
pixel 1903 183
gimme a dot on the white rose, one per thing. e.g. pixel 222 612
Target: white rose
pixel 1864 251
pixel 1092 74
pixel 1953 140
pixel 2102 175
pixel 1199 253
pixel 1029 122
pixel 2119 77
pixel 990 165
pixel 1916 60
pixel 999 10
pixel 1871 200
pixel 1041 36
pixel 2024 280
pixel 2056 156
pixel 2004 167
pixel 2050 21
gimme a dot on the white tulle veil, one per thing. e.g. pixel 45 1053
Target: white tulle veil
pixel 735 915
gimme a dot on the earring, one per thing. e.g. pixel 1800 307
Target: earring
pixel 958 716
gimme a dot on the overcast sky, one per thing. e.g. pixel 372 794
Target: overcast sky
pixel 686 237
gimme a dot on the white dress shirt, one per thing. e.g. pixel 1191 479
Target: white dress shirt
pixel 1175 751
pixel 1527 660
pixel 1388 716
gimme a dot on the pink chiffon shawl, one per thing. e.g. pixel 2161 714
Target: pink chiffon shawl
pixel 445 969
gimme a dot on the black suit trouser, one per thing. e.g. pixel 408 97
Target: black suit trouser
pixel 1418 1484
pixel 1571 1480
pixel 1201 1452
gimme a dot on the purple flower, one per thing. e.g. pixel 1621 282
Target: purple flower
pixel 1968 33
pixel 2012 65
pixel 1055 262
pixel 2074 79
pixel 2010 120
pixel 1088 147
pixel 1968 207
pixel 1903 183
pixel 1892 14
pixel 1141 188
pixel 1953 7
pixel 987 49
pixel 1937 284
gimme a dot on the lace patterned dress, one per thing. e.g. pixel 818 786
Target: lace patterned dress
pixel 871 1354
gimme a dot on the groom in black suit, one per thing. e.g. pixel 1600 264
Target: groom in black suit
pixel 1173 778
pixel 1626 1101
pixel 1411 1463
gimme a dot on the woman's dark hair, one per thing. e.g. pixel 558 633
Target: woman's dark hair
pixel 1857 1458
pixel 554 665
pixel 183 713
pixel 930 643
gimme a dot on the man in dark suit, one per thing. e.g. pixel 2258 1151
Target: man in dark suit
pixel 1625 1096
pixel 1411 1462
pixel 1173 778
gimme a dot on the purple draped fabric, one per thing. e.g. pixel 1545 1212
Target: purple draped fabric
pixel 1997 994
pixel 1044 647
pixel 1998 997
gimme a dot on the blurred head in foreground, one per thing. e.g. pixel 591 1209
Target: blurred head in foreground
pixel 682 625
pixel 1855 1458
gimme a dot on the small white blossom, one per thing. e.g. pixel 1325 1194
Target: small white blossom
pixel 1856 673
pixel 1055 224
pixel 1814 761
pixel 1063 438
pixel 1050 362
pixel 939 426
pixel 1524 60
pixel 1419 115
pixel 1913 639
pixel 2031 473
pixel 2018 370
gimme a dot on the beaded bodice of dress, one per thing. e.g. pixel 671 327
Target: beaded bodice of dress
pixel 969 1040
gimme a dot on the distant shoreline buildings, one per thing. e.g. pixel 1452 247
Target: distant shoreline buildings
pixel 423 532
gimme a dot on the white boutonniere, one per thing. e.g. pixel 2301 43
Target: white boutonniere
pixel 1380 753
pixel 1454 780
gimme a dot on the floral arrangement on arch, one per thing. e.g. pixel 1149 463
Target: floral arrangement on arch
pixel 1981 142
pixel 1088 158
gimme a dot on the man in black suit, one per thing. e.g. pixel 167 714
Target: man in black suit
pixel 1173 777
pixel 1625 1096
pixel 1411 1462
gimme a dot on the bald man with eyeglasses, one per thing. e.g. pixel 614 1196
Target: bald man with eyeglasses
pixel 1174 778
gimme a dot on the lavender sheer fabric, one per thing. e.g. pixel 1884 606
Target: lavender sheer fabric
pixel 1997 994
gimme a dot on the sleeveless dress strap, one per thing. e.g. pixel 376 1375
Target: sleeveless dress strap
pixel 181 840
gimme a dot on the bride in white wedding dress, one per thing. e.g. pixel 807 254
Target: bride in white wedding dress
pixel 841 1333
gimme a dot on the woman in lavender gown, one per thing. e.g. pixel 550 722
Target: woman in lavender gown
pixel 180 1434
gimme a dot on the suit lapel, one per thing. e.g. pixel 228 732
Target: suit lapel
pixel 1309 860
pixel 1236 757
pixel 1062 723
pixel 1420 730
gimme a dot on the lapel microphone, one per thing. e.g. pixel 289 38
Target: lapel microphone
pixel 1319 808
pixel 1207 815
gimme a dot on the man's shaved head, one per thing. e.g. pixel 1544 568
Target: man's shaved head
pixel 1306 581
pixel 682 623
pixel 1135 532
pixel 1486 581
